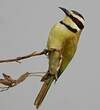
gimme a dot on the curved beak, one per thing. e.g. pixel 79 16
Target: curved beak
pixel 65 11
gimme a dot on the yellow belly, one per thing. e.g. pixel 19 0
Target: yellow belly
pixel 69 50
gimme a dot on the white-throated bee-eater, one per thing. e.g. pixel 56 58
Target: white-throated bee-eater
pixel 62 43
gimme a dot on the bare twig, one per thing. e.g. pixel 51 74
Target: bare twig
pixel 9 82
pixel 45 51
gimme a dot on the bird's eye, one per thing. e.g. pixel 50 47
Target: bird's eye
pixel 78 22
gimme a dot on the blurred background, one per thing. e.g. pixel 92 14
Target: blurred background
pixel 24 28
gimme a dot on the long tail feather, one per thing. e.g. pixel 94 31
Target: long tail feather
pixel 44 89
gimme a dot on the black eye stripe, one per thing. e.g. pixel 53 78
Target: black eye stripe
pixel 75 12
pixel 77 22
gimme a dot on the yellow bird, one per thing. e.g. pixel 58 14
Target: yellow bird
pixel 62 44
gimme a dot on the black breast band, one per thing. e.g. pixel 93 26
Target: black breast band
pixel 69 27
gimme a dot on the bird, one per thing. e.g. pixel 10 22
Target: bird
pixel 62 44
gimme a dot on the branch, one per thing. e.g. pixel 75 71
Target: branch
pixel 9 82
pixel 45 51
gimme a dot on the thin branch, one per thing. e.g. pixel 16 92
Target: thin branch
pixel 18 59
pixel 9 82
pixel 37 74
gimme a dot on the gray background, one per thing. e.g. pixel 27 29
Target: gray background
pixel 24 27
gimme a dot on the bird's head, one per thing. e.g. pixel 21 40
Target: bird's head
pixel 73 18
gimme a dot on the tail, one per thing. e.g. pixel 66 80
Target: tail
pixel 45 87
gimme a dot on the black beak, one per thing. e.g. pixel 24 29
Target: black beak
pixel 65 11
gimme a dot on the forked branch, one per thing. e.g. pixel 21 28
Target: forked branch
pixel 9 82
